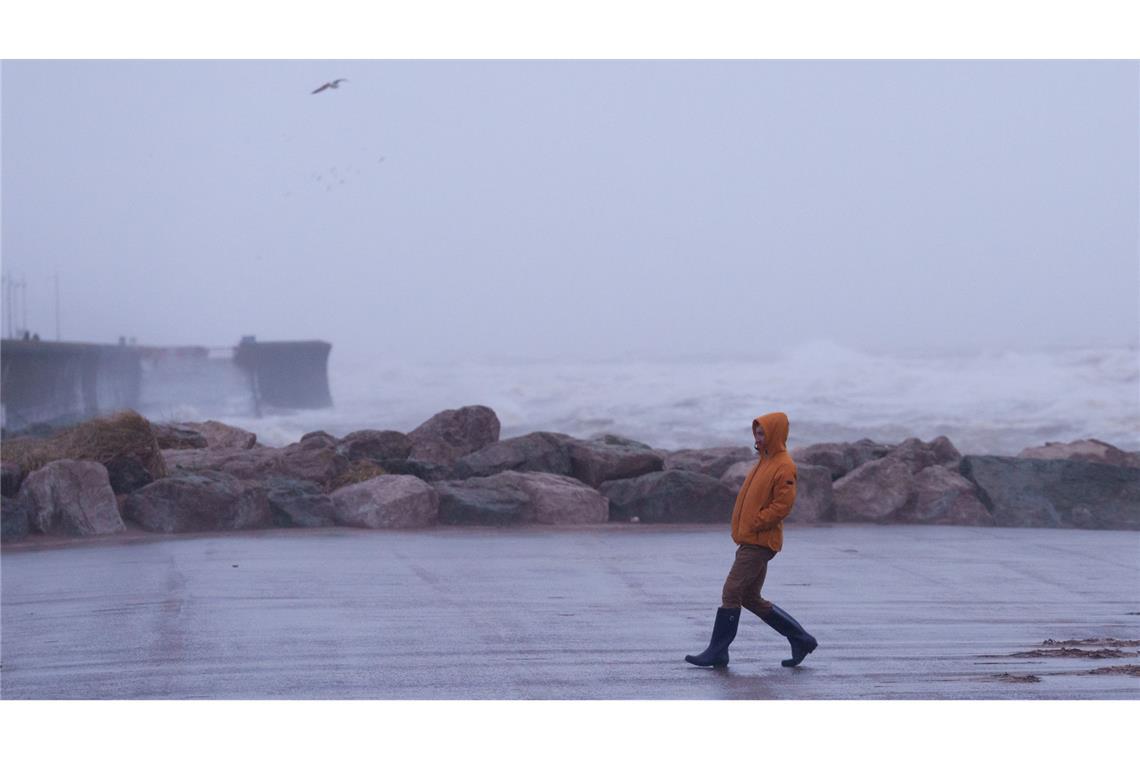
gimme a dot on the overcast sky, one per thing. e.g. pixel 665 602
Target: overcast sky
pixel 577 209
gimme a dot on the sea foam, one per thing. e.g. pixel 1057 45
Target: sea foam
pixel 994 402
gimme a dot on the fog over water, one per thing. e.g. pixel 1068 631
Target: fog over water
pixel 655 248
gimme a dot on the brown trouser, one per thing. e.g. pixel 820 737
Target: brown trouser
pixel 742 587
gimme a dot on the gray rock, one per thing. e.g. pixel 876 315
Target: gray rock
pixel 318 438
pixel 221 436
pixel 454 433
pixel 388 501
pixel 671 496
pixel 13 476
pixel 71 497
pixel 713 462
pixel 520 497
pixel 127 474
pixel 841 458
pixel 199 501
pixel 178 436
pixel 735 475
pixel 13 520
pixel 611 439
pixel 376 445
pixel 427 471
pixel 815 498
pixel 492 500
pixel 298 503
pixel 610 458
pixel 1088 450
pixel 312 459
pixel 536 452
pixel 1056 493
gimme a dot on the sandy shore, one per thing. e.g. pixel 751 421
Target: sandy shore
pixel 608 612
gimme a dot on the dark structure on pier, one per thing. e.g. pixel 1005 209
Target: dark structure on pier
pixel 56 383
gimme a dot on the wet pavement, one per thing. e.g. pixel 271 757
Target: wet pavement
pixel 604 612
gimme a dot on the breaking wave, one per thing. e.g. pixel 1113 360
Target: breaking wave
pixel 991 402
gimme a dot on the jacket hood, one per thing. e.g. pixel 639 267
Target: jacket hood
pixel 775 427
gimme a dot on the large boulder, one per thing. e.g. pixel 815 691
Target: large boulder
pixel 1089 450
pixel 71 497
pixel 919 455
pixel 886 489
pixel 199 501
pixel 125 435
pixel 245 464
pixel 454 433
pixel 319 438
pixel 670 496
pixel 610 458
pixel 536 452
pixel 13 520
pixel 873 492
pixel 378 445
pixel 298 503
pixel 178 436
pixel 735 475
pixel 841 458
pixel 493 500
pixel 389 501
pixel 713 462
pixel 312 459
pixel 941 496
pixel 1056 493
pixel 815 500
pixel 520 497
pixel 13 476
pixel 221 436
pixel 127 474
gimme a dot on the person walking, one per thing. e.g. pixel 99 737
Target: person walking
pixel 764 501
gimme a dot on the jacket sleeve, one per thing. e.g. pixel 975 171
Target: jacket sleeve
pixel 780 505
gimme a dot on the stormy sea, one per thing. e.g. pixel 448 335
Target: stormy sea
pixel 995 402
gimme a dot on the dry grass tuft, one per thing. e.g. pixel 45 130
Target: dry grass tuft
pixel 100 440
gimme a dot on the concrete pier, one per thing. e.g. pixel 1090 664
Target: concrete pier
pixel 606 612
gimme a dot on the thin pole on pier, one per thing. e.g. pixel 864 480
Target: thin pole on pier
pixel 57 306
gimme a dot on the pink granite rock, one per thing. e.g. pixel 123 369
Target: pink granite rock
pixel 1089 450
pixel 387 501
pixel 71 497
pixel 454 433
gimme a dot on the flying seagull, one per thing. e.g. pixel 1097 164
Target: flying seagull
pixel 334 84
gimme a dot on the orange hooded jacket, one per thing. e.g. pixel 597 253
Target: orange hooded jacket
pixel 768 492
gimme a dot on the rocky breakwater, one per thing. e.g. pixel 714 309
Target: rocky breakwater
pixel 124 472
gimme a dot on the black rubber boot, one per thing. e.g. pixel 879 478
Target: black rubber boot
pixel 803 643
pixel 724 631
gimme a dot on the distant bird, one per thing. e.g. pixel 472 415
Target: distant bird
pixel 334 84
